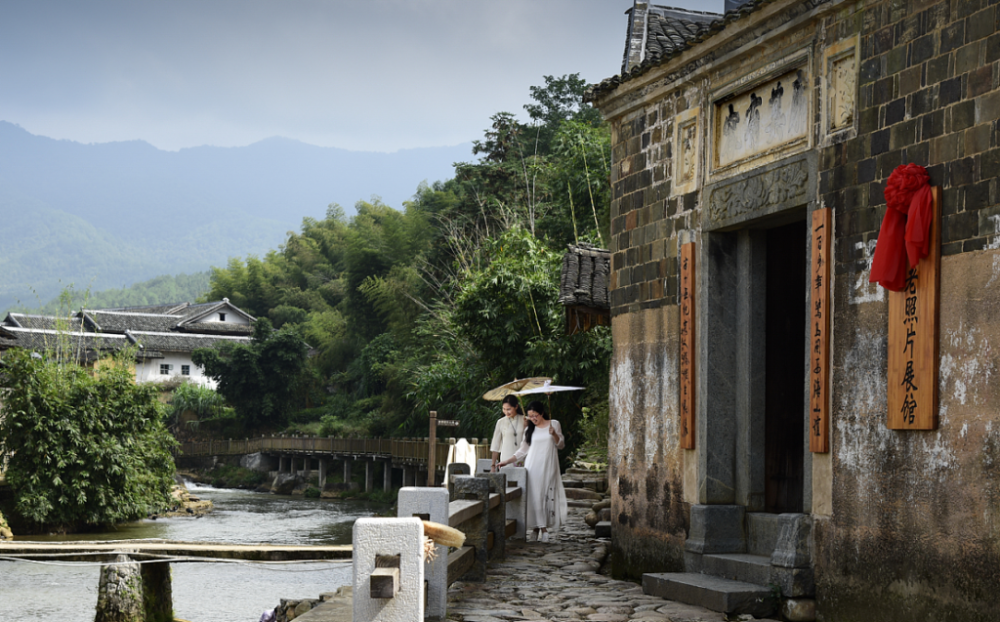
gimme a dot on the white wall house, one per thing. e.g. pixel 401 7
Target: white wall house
pixel 165 335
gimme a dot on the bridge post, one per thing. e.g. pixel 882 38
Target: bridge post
pixel 158 591
pixel 467 487
pixel 322 473
pixel 369 475
pixel 395 541
pixel 518 508
pixel 497 517
pixel 282 463
pixel 387 475
pixel 347 471
pixel 131 592
pixel 407 475
pixel 430 504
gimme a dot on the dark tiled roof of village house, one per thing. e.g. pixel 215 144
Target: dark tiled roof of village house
pixel 670 32
pixel 121 321
pixel 157 328
pixel 180 342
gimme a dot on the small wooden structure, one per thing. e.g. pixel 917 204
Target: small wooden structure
pixel 583 287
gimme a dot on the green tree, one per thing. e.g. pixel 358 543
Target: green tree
pixel 85 449
pixel 262 380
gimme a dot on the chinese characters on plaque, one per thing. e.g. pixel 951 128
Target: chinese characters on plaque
pixel 687 368
pixel 819 333
pixel 913 338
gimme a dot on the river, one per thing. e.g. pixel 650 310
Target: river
pixel 202 592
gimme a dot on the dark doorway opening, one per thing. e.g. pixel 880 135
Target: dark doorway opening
pixel 785 371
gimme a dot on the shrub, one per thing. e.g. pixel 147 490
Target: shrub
pixel 85 449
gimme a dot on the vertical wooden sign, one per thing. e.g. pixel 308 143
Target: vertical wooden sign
pixel 819 333
pixel 913 338
pixel 687 368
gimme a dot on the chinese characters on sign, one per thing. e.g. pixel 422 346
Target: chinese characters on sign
pixel 913 339
pixel 819 333
pixel 687 368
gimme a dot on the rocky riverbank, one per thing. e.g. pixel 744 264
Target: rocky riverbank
pixel 184 504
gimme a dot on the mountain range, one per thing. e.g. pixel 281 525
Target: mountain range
pixel 107 215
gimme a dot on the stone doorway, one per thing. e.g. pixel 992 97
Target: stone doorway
pixel 785 367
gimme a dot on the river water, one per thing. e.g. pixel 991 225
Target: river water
pixel 202 592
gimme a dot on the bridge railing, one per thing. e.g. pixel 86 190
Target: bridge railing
pixel 388 576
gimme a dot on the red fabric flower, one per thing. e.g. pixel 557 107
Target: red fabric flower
pixel 905 232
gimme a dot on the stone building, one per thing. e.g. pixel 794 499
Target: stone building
pixel 732 133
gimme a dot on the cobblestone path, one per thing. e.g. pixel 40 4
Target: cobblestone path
pixel 559 580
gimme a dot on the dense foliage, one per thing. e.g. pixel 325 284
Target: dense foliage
pixel 85 448
pixel 427 307
pixel 260 380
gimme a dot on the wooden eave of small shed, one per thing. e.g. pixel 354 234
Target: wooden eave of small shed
pixel 583 287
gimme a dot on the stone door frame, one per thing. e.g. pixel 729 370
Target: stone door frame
pixel 730 414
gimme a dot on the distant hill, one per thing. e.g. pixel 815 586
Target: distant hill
pixel 156 291
pixel 108 215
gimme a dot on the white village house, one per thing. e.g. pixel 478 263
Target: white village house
pixel 165 335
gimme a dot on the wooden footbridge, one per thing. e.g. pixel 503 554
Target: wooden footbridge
pixel 414 458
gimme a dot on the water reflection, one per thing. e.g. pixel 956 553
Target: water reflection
pixel 203 592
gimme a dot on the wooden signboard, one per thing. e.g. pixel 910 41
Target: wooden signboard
pixel 913 338
pixel 819 333
pixel 686 333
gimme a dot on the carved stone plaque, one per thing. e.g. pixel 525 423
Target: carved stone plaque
pixel 761 192
pixel 840 96
pixel 762 119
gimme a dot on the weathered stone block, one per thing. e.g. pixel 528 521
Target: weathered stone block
pixel 716 529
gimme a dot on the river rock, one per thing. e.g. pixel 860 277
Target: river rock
pixel 284 483
pixel 604 514
pixel 5 531
pixel 590 518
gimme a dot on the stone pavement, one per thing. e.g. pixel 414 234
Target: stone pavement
pixel 559 580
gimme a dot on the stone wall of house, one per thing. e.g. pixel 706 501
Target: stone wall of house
pixel 649 516
pixel 915 527
pixel 907 523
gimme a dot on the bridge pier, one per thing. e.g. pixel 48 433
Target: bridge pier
pixel 322 473
pixel 347 471
pixel 387 475
pixel 369 475
pixel 131 592
pixel 282 463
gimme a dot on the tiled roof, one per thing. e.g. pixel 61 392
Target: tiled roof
pixel 121 321
pixel 41 340
pixel 584 278
pixel 669 32
pixel 157 329
pixel 40 322
pixel 181 342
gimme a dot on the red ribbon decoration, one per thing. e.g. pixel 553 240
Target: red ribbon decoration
pixel 905 232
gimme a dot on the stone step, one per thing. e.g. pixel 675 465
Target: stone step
pixel 743 567
pixel 722 595
pixel 762 533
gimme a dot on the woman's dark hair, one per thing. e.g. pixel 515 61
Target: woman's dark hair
pixel 513 401
pixel 539 408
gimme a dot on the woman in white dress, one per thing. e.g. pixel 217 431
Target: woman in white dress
pixel 540 451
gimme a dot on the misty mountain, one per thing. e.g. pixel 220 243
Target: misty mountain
pixel 107 215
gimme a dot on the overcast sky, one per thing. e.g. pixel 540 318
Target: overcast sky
pixel 374 75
